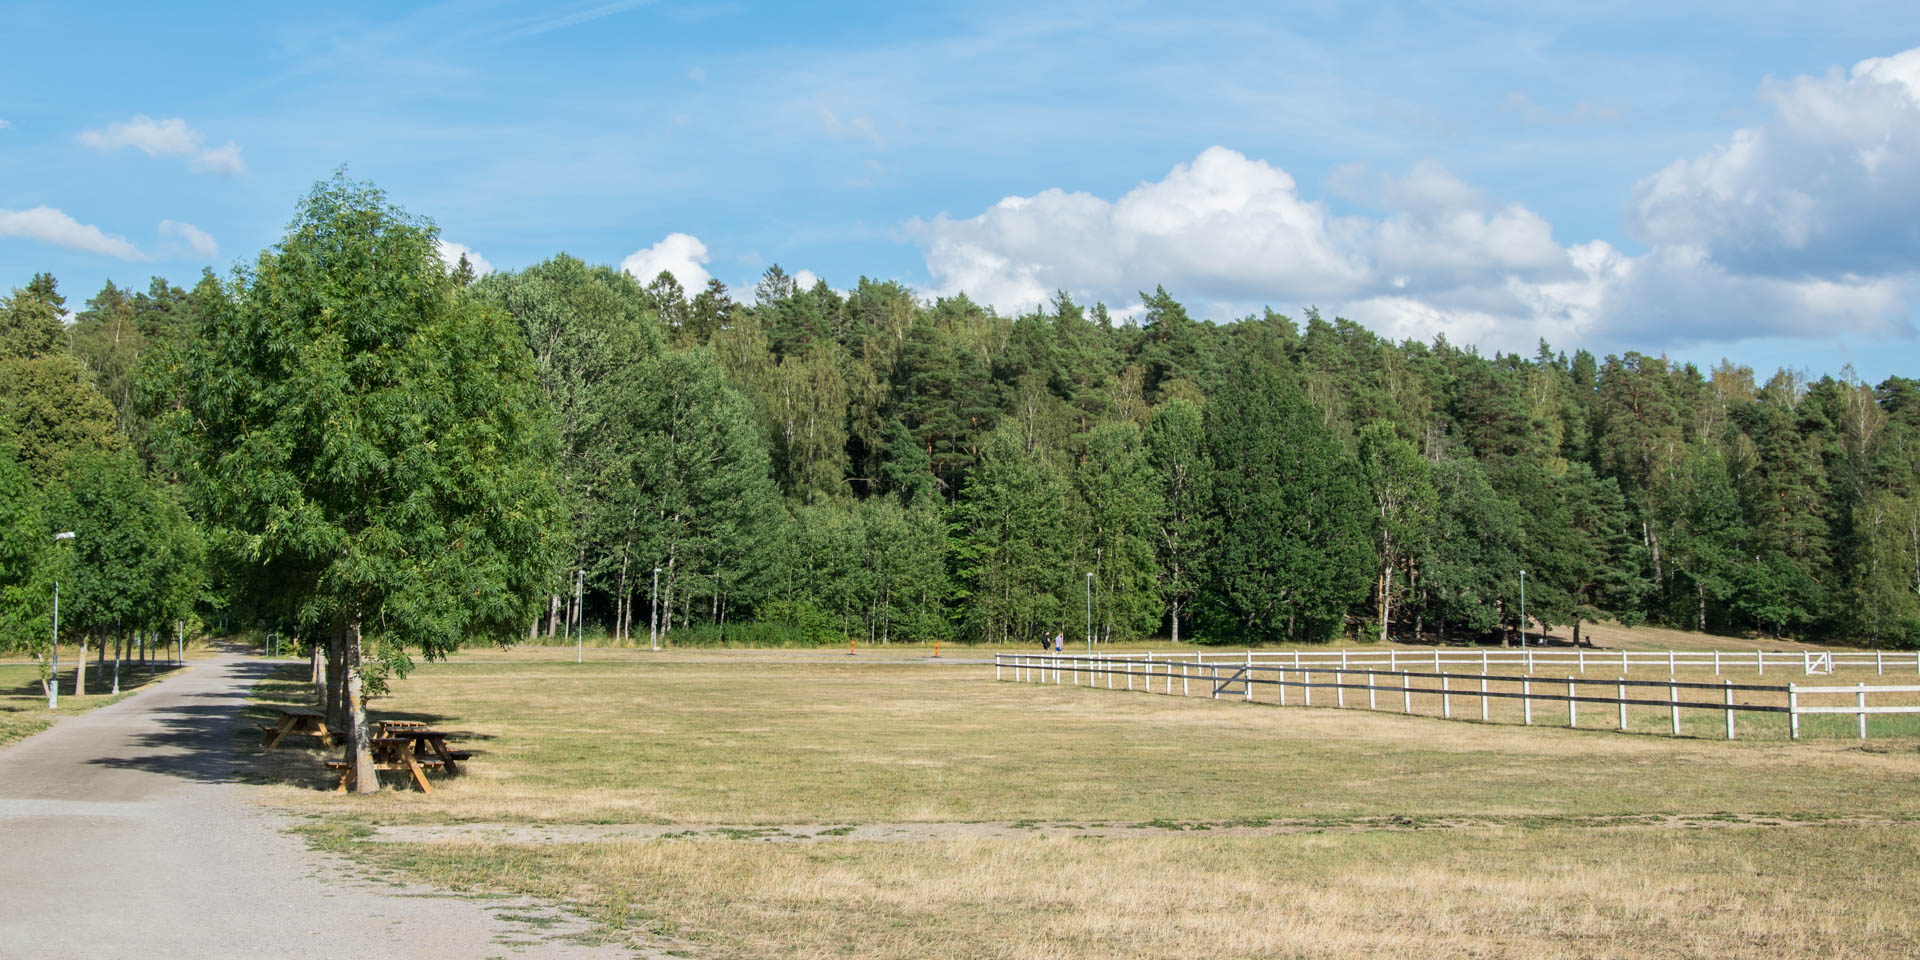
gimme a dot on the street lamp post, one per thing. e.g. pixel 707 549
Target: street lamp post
pixel 653 611
pixel 53 684
pixel 1523 608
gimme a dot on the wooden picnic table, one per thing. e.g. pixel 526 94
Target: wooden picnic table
pixel 425 742
pixel 390 754
pixel 302 721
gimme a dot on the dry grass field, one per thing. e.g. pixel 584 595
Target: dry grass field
pixel 879 807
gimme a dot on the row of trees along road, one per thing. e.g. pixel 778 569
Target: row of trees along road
pixel 347 440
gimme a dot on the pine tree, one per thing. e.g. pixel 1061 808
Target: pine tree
pixel 1290 550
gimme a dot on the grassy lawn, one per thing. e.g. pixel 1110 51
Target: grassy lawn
pixel 1406 836
pixel 23 704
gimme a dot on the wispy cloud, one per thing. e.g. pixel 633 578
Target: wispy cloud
pixel 166 138
pixel 49 225
pixel 1585 111
pixel 196 240
pixel 547 23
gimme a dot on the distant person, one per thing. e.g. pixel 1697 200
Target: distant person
pixel 1044 642
pixel 1059 642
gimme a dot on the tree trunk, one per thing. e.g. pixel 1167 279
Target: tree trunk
pixel 1420 607
pixel 553 614
pixel 1386 599
pixel 1176 621
pixel 336 679
pixel 80 668
pixel 1701 590
pixel 119 638
pixel 318 676
pixel 359 751
pixel 1576 633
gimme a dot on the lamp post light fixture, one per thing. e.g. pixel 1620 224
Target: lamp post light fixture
pixel 653 611
pixel 53 684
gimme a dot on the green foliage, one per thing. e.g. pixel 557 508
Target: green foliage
pixel 1013 557
pixel 137 561
pixel 26 567
pixel 1290 551
pixel 376 433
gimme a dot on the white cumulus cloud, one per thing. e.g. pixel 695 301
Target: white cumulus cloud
pixel 450 254
pixel 195 239
pixel 49 225
pixel 680 254
pixel 1829 185
pixel 167 138
pixel 1801 226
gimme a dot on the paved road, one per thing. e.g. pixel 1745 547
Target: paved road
pixel 124 832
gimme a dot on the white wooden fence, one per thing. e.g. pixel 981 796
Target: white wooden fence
pixel 1535 660
pixel 1239 674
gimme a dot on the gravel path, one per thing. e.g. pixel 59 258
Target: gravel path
pixel 125 832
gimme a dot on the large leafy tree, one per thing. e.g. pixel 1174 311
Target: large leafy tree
pixel 1290 550
pixel 1400 486
pixel 1012 553
pixel 366 423
pixel 1177 450
pixel 589 329
pixel 25 587
pixel 1120 494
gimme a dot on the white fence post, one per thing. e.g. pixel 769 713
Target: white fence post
pixel 1669 663
pixel 1673 706
pixel 1729 709
pixel 1247 678
pixel 1406 693
pixel 1526 702
pixel 1393 659
pixel 996 668
pixel 1625 668
pixel 1340 689
pixel 1716 663
pixel 1623 703
pixel 1880 662
pixel 1860 701
pixel 1281 674
pixel 1761 658
pixel 1185 690
pixel 1583 663
pixel 1793 712
pixel 1483 692
pixel 1216 682
pixel 1373 680
pixel 1807 656
pixel 1573 714
pixel 1446 699
pixel 1306 686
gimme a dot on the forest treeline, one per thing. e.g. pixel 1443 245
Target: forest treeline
pixel 816 464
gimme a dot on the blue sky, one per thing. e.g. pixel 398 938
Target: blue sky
pixel 1738 180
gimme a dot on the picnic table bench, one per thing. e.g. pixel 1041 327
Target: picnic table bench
pixel 306 722
pixel 406 746
pixel 390 755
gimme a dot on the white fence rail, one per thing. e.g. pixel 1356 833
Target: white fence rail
pixel 1239 675
pixel 1534 660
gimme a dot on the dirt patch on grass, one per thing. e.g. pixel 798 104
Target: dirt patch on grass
pixel 522 833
